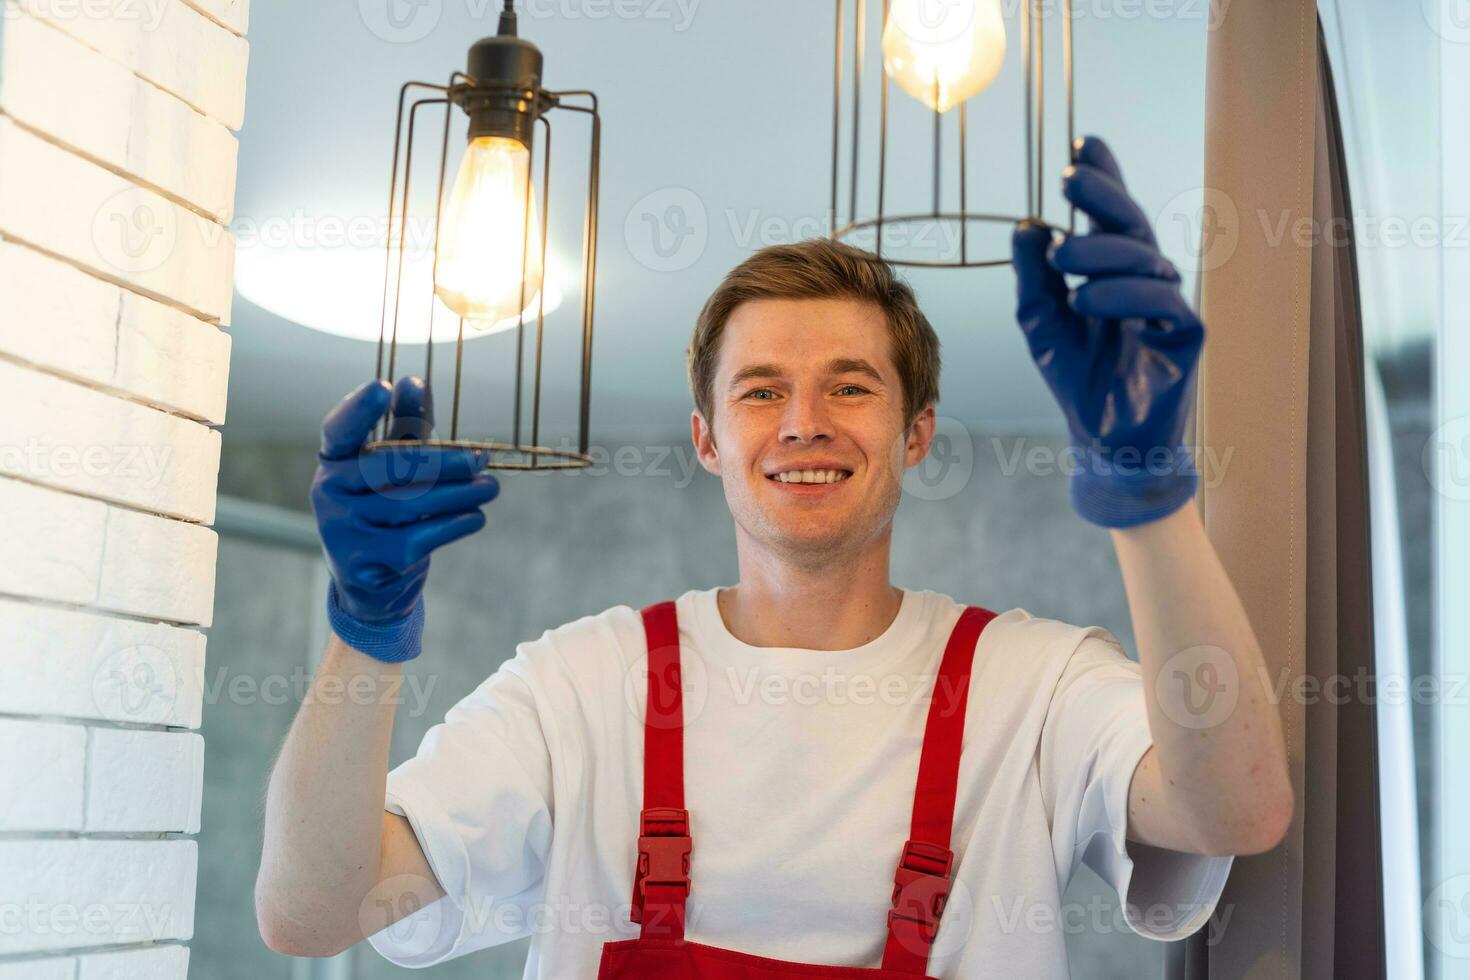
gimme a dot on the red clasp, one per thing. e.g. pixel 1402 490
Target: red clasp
pixel 663 852
pixel 921 887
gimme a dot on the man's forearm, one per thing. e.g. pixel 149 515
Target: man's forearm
pixel 324 806
pixel 1217 733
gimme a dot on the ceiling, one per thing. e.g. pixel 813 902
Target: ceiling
pixel 716 134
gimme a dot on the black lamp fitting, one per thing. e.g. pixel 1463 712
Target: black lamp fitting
pixel 505 98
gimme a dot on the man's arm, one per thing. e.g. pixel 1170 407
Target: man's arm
pixel 335 866
pixel 1215 780
pixel 1119 352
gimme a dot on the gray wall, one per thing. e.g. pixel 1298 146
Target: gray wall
pixel 560 546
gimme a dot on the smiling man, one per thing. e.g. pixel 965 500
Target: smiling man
pixel 812 772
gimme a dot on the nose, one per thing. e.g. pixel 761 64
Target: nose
pixel 806 418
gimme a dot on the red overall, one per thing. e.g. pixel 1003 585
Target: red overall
pixel 661 880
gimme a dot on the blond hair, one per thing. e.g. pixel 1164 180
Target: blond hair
pixel 815 268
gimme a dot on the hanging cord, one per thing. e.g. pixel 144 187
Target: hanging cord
pixel 508 20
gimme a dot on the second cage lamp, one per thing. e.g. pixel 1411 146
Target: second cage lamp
pixel 942 53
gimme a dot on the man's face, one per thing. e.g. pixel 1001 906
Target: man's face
pixel 810 385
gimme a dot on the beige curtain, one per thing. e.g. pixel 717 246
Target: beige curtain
pixel 1281 399
pixel 1256 298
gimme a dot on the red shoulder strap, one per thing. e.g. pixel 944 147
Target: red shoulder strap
pixel 663 719
pixel 661 880
pixel 922 881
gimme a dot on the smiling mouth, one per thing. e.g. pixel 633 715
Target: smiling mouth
pixel 810 476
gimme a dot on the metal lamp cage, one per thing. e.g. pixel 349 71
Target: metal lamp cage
pixel 503 96
pixel 1033 66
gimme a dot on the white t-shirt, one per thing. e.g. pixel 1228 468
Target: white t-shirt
pixel 799 780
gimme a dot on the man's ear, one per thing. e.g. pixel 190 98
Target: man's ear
pixel 919 436
pixel 703 436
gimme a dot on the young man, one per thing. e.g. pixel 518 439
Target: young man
pixel 845 830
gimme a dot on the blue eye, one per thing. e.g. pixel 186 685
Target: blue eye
pixel 859 388
pixel 759 391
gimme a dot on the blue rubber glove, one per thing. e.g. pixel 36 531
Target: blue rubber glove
pixel 1118 352
pixel 381 513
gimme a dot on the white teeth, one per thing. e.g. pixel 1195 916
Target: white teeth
pixel 811 476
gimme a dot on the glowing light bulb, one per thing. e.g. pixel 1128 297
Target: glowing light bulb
pixel 478 272
pixel 941 52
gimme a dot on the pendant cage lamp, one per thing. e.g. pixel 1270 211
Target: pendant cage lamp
pixel 489 244
pixel 942 53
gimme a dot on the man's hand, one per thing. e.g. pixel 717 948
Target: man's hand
pixel 1118 352
pixel 380 514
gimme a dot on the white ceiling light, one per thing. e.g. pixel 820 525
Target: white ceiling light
pixel 340 291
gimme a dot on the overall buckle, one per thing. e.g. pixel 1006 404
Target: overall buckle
pixel 663 853
pixel 921 887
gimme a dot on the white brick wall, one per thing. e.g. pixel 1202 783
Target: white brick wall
pixel 112 227
pixel 41 782
pixel 166 42
pixel 76 438
pixel 62 320
pixel 85 665
pixel 143 781
pixel 81 893
pixel 159 963
pixel 117 181
pixel 162 962
pixel 134 127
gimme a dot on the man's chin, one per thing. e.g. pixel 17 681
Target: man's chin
pixel 807 541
